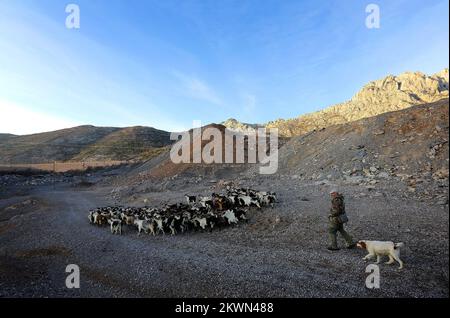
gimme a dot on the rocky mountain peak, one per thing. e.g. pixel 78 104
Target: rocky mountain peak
pixel 407 88
pixel 235 125
pixel 377 97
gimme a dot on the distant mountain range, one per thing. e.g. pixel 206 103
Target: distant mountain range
pixel 89 143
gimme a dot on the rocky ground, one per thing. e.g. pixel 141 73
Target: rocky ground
pixel 280 252
pixel 392 169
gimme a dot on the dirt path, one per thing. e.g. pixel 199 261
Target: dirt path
pixel 253 260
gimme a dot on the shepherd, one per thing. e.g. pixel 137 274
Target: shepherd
pixel 337 218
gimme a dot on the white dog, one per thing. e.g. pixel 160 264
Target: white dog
pixel 379 249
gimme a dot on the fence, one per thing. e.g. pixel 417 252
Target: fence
pixel 62 166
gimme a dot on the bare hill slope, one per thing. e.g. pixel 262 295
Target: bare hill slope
pixel 83 143
pixel 409 145
pixel 5 136
pixel 413 140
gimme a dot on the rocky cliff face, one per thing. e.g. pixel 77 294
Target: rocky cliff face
pixel 385 95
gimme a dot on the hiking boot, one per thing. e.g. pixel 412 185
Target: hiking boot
pixel 333 248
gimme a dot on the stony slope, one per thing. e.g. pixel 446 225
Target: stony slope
pixel 83 143
pixel 410 145
pixel 162 167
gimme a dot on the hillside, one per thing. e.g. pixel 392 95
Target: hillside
pixel 5 136
pixel 84 143
pixel 163 167
pixel 407 141
pixel 127 143
pixel 410 145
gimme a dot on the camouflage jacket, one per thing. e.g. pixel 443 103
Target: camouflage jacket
pixel 337 208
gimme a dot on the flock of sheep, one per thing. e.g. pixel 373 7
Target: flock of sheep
pixel 198 213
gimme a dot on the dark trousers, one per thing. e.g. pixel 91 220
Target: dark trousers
pixel 332 231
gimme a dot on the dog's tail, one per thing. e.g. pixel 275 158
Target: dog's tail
pixel 398 245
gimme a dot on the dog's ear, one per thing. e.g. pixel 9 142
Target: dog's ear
pixel 362 244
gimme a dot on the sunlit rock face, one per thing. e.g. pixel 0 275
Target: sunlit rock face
pixel 388 94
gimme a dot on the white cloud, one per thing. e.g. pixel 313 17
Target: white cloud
pixel 198 89
pixel 18 120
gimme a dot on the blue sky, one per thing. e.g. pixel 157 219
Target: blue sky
pixel 167 63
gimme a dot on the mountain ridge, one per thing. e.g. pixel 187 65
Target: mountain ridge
pixel 87 142
pixel 391 93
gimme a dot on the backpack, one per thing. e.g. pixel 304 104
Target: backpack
pixel 343 218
